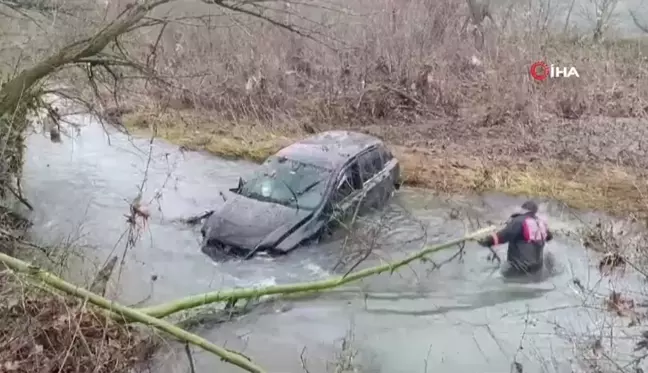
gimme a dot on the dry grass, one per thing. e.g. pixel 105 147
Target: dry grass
pixel 392 60
pixel 191 133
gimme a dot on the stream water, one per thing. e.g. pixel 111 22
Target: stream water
pixel 460 318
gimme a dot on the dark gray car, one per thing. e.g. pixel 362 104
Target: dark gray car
pixel 301 192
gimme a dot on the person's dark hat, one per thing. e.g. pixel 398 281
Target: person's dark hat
pixel 530 206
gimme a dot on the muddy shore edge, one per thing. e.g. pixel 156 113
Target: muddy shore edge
pixel 579 163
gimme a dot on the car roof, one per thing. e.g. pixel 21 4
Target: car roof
pixel 329 149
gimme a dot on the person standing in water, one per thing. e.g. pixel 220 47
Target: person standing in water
pixel 526 235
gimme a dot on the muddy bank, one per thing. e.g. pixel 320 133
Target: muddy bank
pixel 594 163
pixel 395 322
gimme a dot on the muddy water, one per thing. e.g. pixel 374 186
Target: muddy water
pixel 461 318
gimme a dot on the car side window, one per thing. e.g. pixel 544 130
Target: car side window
pixel 370 164
pixel 344 186
pixel 347 182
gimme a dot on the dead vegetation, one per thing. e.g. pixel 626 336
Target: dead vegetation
pixel 44 332
pixel 408 64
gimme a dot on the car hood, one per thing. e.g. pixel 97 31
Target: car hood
pixel 245 222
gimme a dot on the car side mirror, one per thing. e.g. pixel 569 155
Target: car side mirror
pixel 240 185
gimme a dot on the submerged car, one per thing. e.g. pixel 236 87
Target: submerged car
pixel 300 193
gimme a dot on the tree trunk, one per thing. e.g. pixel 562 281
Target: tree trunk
pixel 18 88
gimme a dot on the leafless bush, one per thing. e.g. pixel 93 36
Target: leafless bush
pixel 389 60
pixel 601 13
pixel 620 243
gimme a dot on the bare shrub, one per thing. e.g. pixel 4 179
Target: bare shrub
pixel 392 60
pixel 620 243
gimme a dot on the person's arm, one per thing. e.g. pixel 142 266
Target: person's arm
pixel 506 234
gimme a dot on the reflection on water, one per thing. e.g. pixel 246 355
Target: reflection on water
pixel 459 318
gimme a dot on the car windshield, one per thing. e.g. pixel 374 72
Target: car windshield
pixel 287 182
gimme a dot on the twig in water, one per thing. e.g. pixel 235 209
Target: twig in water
pixel 369 250
pixel 427 359
pixel 192 368
pixel 516 366
pixel 302 359
pixel 349 230
pixel 454 256
pixel 494 257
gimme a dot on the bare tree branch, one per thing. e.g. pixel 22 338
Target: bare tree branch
pixel 238 8
pixel 640 24
pixel 42 6
pixel 14 89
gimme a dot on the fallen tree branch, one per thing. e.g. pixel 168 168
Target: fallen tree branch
pixel 127 313
pixel 194 301
pixel 192 368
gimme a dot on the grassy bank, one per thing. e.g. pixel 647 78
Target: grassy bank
pixel 593 185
